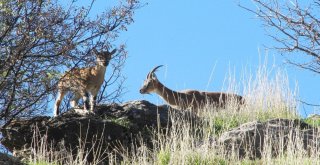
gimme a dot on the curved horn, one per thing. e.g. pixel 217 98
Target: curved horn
pixel 153 70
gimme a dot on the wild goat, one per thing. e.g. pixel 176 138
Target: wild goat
pixel 84 81
pixel 187 99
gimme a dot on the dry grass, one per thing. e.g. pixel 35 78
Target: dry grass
pixel 43 152
pixel 267 95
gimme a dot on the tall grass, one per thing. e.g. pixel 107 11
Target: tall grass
pixel 43 152
pixel 267 95
pixel 192 141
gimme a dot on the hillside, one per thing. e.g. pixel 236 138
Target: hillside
pixel 139 132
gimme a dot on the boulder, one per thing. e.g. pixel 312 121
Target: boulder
pixel 114 124
pixel 6 159
pixel 253 138
pixel 109 125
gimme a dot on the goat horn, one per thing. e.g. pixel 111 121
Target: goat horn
pixel 153 70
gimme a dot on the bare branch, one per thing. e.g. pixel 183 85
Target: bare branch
pixel 41 39
pixel 294 27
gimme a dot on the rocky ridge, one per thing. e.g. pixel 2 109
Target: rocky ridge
pixel 121 123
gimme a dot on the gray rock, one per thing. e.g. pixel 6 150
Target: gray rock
pixel 313 117
pixel 6 159
pixel 110 124
pixel 121 123
pixel 251 139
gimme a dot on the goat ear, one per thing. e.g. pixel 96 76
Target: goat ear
pixel 150 76
pixel 153 76
pixel 95 51
pixel 113 52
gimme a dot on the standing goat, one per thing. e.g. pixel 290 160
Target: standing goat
pixel 187 99
pixel 84 81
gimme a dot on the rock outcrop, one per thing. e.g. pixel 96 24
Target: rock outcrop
pixel 6 159
pixel 110 124
pixel 253 138
pixel 114 124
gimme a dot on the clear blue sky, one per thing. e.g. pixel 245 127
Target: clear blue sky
pixel 191 38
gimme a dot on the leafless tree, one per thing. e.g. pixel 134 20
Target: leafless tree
pixel 40 39
pixel 295 26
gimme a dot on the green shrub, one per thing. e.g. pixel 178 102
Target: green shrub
pixel 163 157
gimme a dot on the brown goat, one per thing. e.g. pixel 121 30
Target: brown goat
pixel 187 99
pixel 84 81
